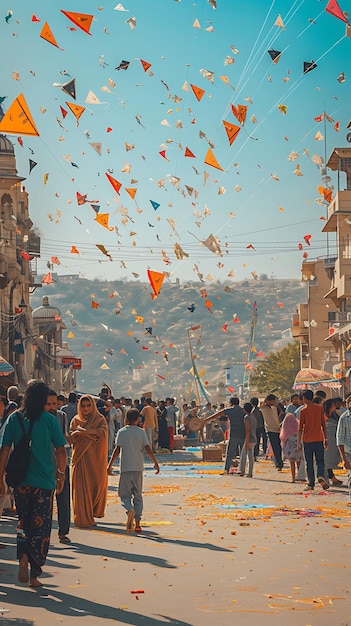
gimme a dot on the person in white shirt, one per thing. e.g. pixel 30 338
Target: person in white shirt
pixel 131 442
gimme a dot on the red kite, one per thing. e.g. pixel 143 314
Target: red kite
pixel 334 9
pixel 115 184
pixel 145 65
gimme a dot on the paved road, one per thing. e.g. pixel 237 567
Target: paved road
pixel 215 550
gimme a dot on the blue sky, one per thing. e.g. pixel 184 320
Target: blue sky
pixel 254 208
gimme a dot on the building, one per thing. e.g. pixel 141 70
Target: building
pixel 19 249
pixel 310 322
pixel 28 347
pixel 339 223
pixel 323 323
pixel 54 362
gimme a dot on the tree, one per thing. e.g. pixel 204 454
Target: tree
pixel 276 373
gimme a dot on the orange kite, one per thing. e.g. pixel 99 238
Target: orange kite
pixel 18 120
pixel 82 20
pixel 156 279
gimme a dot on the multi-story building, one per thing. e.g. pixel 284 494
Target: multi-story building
pixel 310 322
pixel 323 323
pixel 19 249
pixel 339 222
pixel 20 343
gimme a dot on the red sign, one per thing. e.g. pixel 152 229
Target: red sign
pixel 72 360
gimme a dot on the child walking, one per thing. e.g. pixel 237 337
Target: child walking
pixel 131 442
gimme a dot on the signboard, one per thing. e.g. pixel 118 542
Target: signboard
pixel 68 361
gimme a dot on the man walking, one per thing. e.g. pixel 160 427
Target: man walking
pixel 63 499
pixel 312 431
pixel 237 432
pixel 272 425
pixel 150 425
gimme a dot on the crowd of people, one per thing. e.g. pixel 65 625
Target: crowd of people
pixel 75 442
pixel 311 433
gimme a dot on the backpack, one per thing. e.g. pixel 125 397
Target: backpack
pixel 18 462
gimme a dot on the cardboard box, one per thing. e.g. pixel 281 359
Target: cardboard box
pixel 212 454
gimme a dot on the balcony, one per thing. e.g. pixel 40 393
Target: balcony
pixel 34 245
pixel 339 206
pixel 338 318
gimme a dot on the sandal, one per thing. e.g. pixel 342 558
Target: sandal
pixel 137 528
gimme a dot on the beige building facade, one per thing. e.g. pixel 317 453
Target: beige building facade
pixel 323 323
pixel 30 342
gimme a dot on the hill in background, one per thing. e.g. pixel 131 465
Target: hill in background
pixel 111 335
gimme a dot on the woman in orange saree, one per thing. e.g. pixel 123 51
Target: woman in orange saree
pixel 89 436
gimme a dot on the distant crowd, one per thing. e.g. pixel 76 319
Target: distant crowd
pixel 75 441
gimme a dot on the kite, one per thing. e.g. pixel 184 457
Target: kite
pixel 115 184
pixel 92 98
pixel 82 20
pixel 132 22
pixel 231 130
pixel 8 16
pixel 95 305
pixel 212 244
pixel 96 146
pixel 162 153
pixel 155 205
pixel 18 119
pixel 326 193
pixel 120 7
pixel 211 160
pixel 334 9
pixel 74 250
pixel 123 65
pixel 188 153
pixel 102 219
pixel 103 250
pixel 240 113
pixel 198 92
pixel 282 108
pixel 279 22
pixel 145 65
pixel 191 308
pixel 275 55
pixel 308 66
pixel 207 74
pixel 131 192
pixel 179 252
pixel 70 88
pixel 76 109
pixel 47 279
pixel 156 279
pixel 32 165
pixel 46 33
